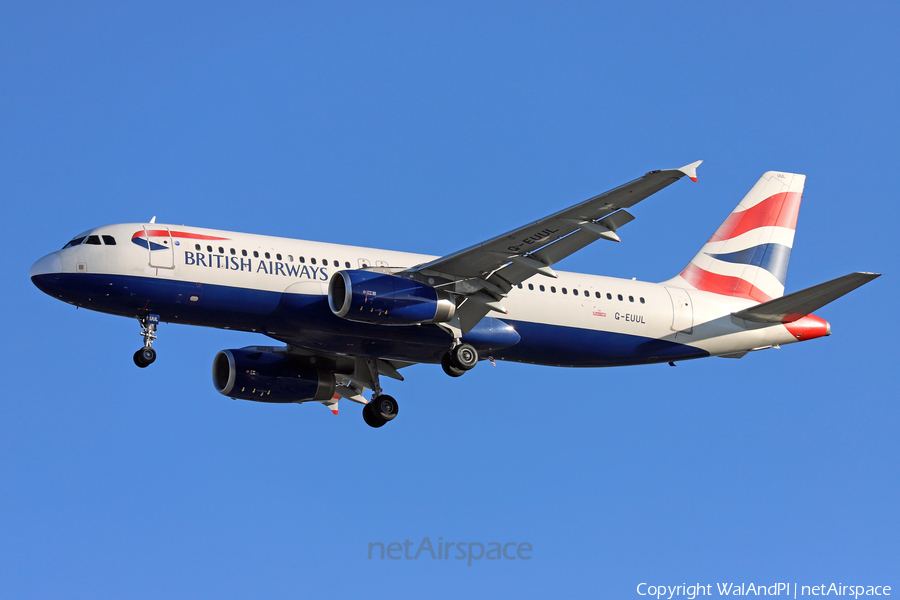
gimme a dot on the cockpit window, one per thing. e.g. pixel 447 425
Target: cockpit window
pixel 94 240
pixel 77 241
pixel 109 240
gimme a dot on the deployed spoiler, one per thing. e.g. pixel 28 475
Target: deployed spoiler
pixel 799 304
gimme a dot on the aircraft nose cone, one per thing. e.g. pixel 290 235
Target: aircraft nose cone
pixel 46 265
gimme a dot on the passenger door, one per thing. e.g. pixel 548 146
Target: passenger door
pixel 682 310
pixel 161 247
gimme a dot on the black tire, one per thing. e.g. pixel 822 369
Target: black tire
pixel 464 357
pixel 369 416
pixel 385 407
pixel 144 357
pixel 449 368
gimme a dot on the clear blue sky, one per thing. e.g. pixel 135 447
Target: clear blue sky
pixel 428 127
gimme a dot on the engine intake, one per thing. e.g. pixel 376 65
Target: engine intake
pixel 384 299
pixel 268 377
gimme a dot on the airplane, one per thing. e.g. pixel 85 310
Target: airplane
pixel 348 316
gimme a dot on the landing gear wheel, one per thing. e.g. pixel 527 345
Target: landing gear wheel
pixel 464 357
pixel 144 357
pixel 385 407
pixel 369 416
pixel 448 366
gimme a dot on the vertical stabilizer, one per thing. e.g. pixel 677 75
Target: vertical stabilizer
pixel 747 256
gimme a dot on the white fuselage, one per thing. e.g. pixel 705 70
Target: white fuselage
pixel 245 281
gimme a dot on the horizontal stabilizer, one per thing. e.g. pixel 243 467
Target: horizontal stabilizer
pixel 799 304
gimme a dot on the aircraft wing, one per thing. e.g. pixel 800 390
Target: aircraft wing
pixel 481 275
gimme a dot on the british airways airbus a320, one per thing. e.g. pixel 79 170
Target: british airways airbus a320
pixel 349 315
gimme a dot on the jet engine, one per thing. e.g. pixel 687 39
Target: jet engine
pixel 248 374
pixel 384 299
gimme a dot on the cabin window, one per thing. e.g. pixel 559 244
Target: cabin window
pixel 290 258
pixel 221 250
pixel 324 262
pixel 93 240
pixel 312 261
pixel 553 288
pixel 75 242
pixel 347 264
pixel 268 255
pixel 597 294
pixel 608 296
pixel 277 257
pixel 542 288
pixel 530 286
pixel 519 286
pixel 243 253
pixel 631 298
pixel 620 297
pixel 642 299
pixel 197 247
pixel 109 240
pixel 337 263
pixel 574 292
pixel 565 291
pixel 255 254
pixel 301 259
pixel 233 252
pixel 587 294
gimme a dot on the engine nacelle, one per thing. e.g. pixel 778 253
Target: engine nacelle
pixel 371 297
pixel 267 377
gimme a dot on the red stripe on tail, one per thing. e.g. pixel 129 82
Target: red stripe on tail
pixel 725 285
pixel 779 210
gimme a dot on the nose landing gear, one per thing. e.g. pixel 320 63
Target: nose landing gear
pixel 146 355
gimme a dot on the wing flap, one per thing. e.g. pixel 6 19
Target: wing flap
pixel 555 252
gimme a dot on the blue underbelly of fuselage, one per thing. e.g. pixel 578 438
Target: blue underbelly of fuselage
pixel 307 321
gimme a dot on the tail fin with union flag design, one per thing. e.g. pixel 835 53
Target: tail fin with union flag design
pixel 747 256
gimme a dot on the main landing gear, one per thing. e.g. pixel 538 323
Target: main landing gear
pixel 146 355
pixel 381 408
pixel 459 359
